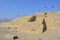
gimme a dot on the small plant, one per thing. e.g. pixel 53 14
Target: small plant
pixel 16 28
pixel 9 27
pixel 33 29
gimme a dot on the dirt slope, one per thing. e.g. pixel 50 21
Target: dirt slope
pixel 52 20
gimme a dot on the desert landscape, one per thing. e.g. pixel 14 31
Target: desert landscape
pixel 40 26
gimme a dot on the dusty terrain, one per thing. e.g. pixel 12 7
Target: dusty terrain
pixel 41 26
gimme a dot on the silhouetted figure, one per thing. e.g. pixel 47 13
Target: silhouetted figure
pixel 45 14
pixel 44 26
pixel 33 18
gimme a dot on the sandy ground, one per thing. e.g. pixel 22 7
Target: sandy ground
pixel 7 34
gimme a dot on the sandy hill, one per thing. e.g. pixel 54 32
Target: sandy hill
pixel 37 23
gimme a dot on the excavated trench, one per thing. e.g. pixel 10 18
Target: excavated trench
pixel 44 23
pixel 33 19
pixel 44 26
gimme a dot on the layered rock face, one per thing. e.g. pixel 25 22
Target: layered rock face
pixel 37 23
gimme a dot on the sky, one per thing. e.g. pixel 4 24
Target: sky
pixel 19 8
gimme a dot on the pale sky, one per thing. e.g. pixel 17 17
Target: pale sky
pixel 12 8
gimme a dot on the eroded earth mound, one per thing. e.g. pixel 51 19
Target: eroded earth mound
pixel 41 26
